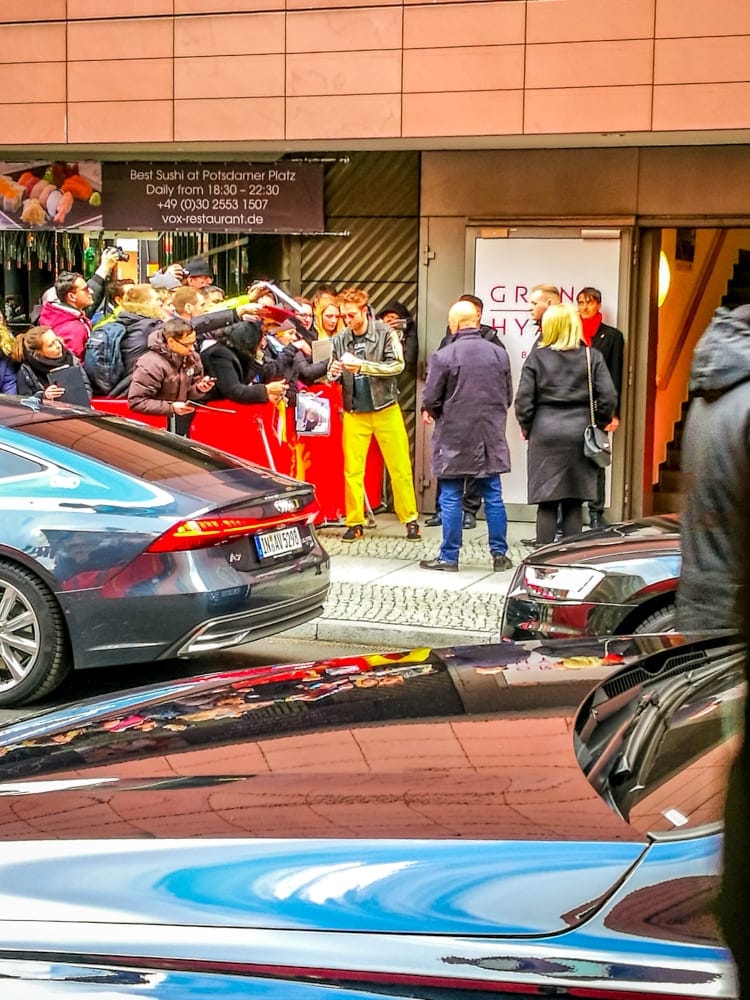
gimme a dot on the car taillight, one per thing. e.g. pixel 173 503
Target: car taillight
pixel 203 532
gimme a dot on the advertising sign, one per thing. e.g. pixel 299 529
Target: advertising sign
pixel 46 194
pixel 505 271
pixel 282 197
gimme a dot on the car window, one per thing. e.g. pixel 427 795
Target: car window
pixel 12 465
pixel 131 447
pixel 681 781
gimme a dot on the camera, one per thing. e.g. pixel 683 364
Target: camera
pixel 120 254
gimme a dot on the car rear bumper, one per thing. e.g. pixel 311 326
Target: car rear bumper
pixel 247 626
pixel 197 604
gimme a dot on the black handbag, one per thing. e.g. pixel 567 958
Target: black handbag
pixel 597 446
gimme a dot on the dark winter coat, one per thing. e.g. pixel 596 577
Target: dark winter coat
pixel 409 342
pixel 134 343
pixel 552 409
pixel 232 374
pixel 716 463
pixel 33 373
pixel 162 376
pixel 468 392
pixel 7 376
pixel 610 343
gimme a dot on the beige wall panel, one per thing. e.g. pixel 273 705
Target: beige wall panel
pixel 694 181
pixel 318 73
pixel 238 120
pixel 343 117
pixel 677 18
pixel 493 67
pixel 47 124
pixel 221 6
pixel 124 8
pixel 120 121
pixel 441 25
pixel 466 113
pixel 582 20
pixel 701 60
pixel 702 106
pixel 47 80
pixel 229 77
pixel 21 39
pixel 39 10
pixel 516 184
pixel 588 109
pixel 589 64
pixel 355 28
pixel 133 38
pixel 120 80
pixel 334 4
pixel 230 34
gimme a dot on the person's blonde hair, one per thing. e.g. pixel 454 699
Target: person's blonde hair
pixel 321 302
pixel 139 299
pixel 31 339
pixel 562 329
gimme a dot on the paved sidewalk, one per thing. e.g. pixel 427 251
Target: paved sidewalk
pixel 380 597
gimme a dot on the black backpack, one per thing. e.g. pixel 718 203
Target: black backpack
pixel 103 357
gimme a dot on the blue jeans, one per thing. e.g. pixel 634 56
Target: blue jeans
pixel 451 512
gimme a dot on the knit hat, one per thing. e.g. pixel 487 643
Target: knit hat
pixel 198 267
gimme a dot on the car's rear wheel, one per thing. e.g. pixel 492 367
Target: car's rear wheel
pixel 34 655
pixel 663 620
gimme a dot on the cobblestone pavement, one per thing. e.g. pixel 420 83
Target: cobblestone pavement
pixel 380 596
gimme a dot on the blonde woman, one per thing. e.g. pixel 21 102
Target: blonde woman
pixel 327 317
pixel 552 408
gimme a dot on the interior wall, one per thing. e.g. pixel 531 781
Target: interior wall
pixel 680 314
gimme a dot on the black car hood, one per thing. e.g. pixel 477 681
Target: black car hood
pixel 644 537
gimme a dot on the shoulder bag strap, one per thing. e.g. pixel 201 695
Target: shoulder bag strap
pixel 591 388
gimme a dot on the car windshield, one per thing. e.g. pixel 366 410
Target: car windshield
pixel 131 447
pixel 658 747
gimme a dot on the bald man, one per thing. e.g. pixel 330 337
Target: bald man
pixel 467 395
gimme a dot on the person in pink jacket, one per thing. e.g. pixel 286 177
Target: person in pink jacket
pixel 67 315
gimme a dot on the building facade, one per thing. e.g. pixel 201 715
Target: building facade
pixel 468 146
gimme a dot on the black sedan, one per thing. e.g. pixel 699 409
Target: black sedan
pixel 615 581
pixel 122 544
pixel 378 827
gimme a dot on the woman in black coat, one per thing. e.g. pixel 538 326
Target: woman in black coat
pixel 236 363
pixel 552 408
pixel 38 352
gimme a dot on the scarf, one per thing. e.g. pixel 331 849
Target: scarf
pixel 591 326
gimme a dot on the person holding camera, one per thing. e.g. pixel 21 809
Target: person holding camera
pixel 75 300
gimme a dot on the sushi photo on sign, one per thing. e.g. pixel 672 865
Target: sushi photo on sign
pixel 51 195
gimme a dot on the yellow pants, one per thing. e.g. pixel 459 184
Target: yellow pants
pixel 387 426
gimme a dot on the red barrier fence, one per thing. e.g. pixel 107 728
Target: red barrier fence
pixel 261 433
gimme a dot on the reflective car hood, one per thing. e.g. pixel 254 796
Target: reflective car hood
pixel 382 886
pixel 643 538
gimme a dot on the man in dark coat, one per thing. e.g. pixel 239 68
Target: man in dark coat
pixel 467 395
pixel 472 497
pixel 611 345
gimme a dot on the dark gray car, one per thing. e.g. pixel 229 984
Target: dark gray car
pixel 122 544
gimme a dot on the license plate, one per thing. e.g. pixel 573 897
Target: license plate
pixel 278 543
